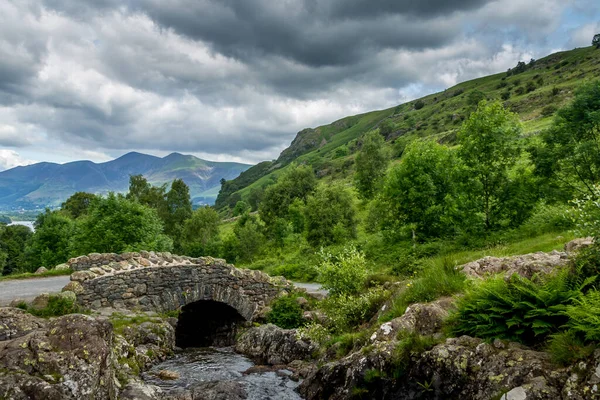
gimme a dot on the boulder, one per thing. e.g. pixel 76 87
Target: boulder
pixel 69 358
pixel 423 319
pixel 74 287
pixel 219 390
pixel 578 244
pixel 41 270
pixel 140 391
pixel 525 265
pixel 273 345
pixel 62 267
pixel 40 301
pixel 167 375
pixel 15 323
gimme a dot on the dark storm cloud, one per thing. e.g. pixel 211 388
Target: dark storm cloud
pixel 312 32
pixel 236 77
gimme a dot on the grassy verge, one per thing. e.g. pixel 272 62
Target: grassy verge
pixel 30 275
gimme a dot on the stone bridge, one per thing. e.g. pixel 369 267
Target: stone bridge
pixel 213 296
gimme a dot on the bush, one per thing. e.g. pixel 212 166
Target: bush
pixel 547 218
pixel 505 95
pixel 566 348
pixel 419 104
pixel 346 311
pixel 57 306
pixel 286 313
pixel 314 332
pixel 549 110
pixel 345 273
pixel 518 309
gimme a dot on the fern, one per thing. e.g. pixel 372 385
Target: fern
pixel 519 309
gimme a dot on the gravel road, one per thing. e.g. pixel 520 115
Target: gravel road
pixel 28 289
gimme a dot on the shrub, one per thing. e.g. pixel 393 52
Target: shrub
pixel 314 332
pixel 346 311
pixel 286 313
pixel 520 90
pixel 419 104
pixel 549 110
pixel 345 273
pixel 57 306
pixel 517 309
pixel 505 95
pixel 555 91
pixel 566 348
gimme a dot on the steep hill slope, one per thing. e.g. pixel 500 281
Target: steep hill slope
pixel 49 184
pixel 534 90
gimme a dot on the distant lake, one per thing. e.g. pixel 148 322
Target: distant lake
pixel 28 224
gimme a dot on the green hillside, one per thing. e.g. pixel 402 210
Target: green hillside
pixel 534 90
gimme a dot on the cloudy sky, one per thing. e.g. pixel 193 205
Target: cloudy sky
pixel 236 79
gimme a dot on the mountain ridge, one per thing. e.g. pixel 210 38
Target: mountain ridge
pixel 48 184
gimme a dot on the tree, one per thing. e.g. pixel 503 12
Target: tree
pixel 330 216
pixel 371 165
pixel 421 190
pixel 78 204
pixel 12 244
pixel 146 194
pixel 386 127
pixel 116 224
pixel 297 183
pixel 179 208
pixel 201 233
pixel 596 41
pixel 50 245
pixel 489 147
pixel 571 147
pixel 241 207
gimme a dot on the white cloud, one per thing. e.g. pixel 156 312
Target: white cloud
pixel 10 159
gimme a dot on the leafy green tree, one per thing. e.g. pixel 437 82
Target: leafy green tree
pixel 50 244
pixel 371 165
pixel 249 238
pixel 571 147
pixel 146 194
pixel 116 224
pixel 179 209
pixel 489 147
pixel 596 41
pixel 386 127
pixel 79 204
pixel 475 97
pixel 330 215
pixel 241 208
pixel 298 183
pixel 421 190
pixel 201 233
pixel 12 244
pixel 344 273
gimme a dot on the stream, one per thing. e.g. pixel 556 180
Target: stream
pixel 221 364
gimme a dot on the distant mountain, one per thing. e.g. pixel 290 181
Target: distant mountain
pixel 49 184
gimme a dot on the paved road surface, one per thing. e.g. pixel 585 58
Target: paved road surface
pixel 28 289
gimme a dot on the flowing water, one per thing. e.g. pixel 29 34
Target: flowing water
pixel 222 364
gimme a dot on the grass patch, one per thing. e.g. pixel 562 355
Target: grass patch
pixel 31 275
pixel 57 306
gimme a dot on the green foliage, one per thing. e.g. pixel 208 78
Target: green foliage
pixel 386 127
pixel 549 110
pixel 475 97
pixel 584 316
pixel 566 348
pixel 330 215
pixel 79 204
pixel 286 313
pixel 517 309
pixel 241 207
pixel 419 104
pixel 247 240
pixel 51 243
pixel 586 212
pixel 57 306
pixel 347 311
pixel 430 284
pixel 420 191
pixel 115 225
pixel 488 148
pixel 371 165
pixel 314 332
pixel 12 248
pixel 343 273
pixel 200 235
pixel 179 209
pixel 571 147
pixel 298 183
pixel 596 40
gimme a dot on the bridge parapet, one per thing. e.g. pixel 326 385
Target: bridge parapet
pixel 161 282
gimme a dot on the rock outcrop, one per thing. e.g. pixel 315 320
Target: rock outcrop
pixel 525 265
pixel 272 345
pixel 69 357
